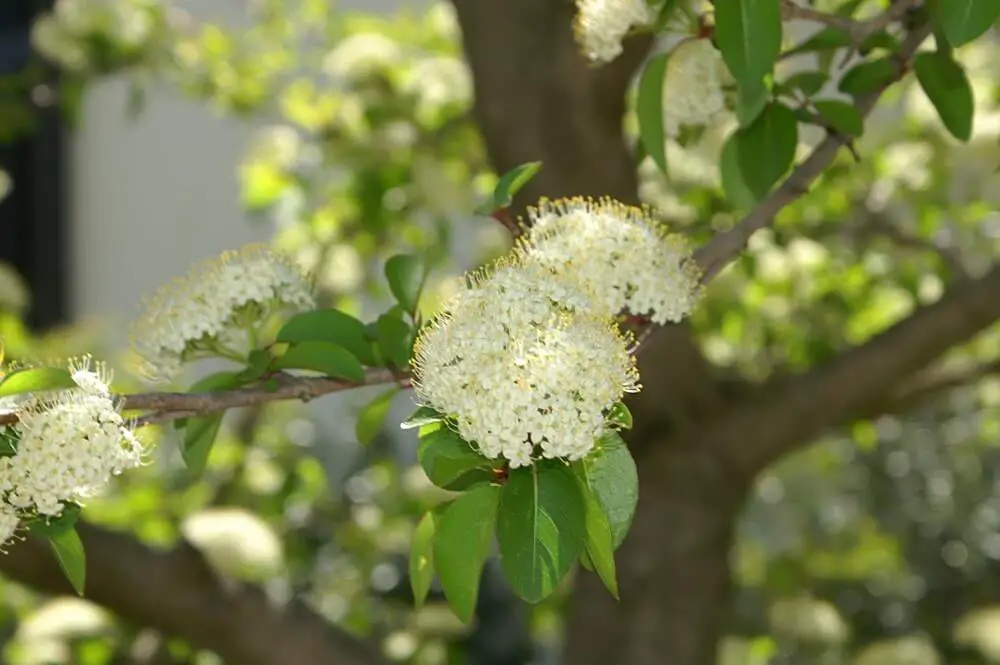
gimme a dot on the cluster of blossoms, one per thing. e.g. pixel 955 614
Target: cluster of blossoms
pixel 71 33
pixel 217 309
pixel 67 446
pixel 625 258
pixel 695 86
pixel 601 25
pixel 526 360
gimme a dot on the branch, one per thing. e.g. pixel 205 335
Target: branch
pixel 787 413
pixel 927 390
pixel 177 592
pixel 726 246
pixel 167 406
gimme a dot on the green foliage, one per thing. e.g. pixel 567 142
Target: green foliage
pixel 611 475
pixel 372 416
pixel 422 558
pixel 325 357
pixel 840 116
pixel 949 90
pixel 649 109
pixel 766 148
pixel 462 539
pixel 35 379
pixel 510 184
pixel 748 33
pixel 405 274
pixel 451 463
pixel 965 20
pixel 541 528
pixel 332 326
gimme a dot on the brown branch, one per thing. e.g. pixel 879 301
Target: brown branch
pixel 793 409
pixel 926 390
pixel 726 246
pixel 176 592
pixel 167 406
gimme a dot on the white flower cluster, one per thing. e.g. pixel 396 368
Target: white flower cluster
pixel 522 359
pixel 624 257
pixel 217 309
pixel 601 25
pixel 694 87
pixel 62 35
pixel 69 444
pixel 526 359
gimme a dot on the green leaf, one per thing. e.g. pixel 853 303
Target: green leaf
pixel 964 20
pixel 827 39
pixel 199 437
pixel 68 550
pixel 422 558
pixel 766 149
pixel 868 77
pixel 511 182
pixel 585 561
pixel 47 527
pixel 649 110
pixel 34 380
pixel 620 416
pixel 258 362
pixel 946 85
pixel 217 381
pixel 841 116
pixel 748 33
pixel 750 102
pixel 600 550
pixel 395 339
pixel 612 476
pixel 8 442
pixel 405 274
pixel 329 325
pixel 425 415
pixel 733 186
pixel 464 533
pixel 541 528
pixel 879 40
pixel 808 82
pixel 326 357
pixel 372 416
pixel 450 462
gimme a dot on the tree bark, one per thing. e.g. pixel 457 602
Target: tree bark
pixel 538 99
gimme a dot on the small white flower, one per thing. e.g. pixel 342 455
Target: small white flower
pixel 214 308
pixel 9 521
pixel 360 56
pixel 601 25
pixel 694 87
pixel 624 257
pixel 69 445
pixel 526 363
pixel 439 81
pixel 92 378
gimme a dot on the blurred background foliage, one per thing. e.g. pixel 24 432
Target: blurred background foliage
pixel 878 545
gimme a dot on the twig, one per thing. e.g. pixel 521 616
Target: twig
pixel 721 250
pixel 167 406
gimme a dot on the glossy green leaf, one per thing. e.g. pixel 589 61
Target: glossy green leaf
pixel 452 463
pixel 35 380
pixel 541 528
pixel 46 527
pixel 809 83
pixel 371 419
pixel 325 357
pixel 965 20
pixel 405 274
pixel 8 442
pixel 199 437
pixel 750 103
pixel 620 416
pixel 841 116
pixel 217 381
pixel 329 325
pixel 827 39
pixel 945 83
pixel 733 186
pixel 612 476
pixel 464 533
pixel 511 182
pixel 649 109
pixel 68 550
pixel 425 415
pixel 748 33
pixel 600 549
pixel 395 339
pixel 766 149
pixel 422 558
pixel 868 77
